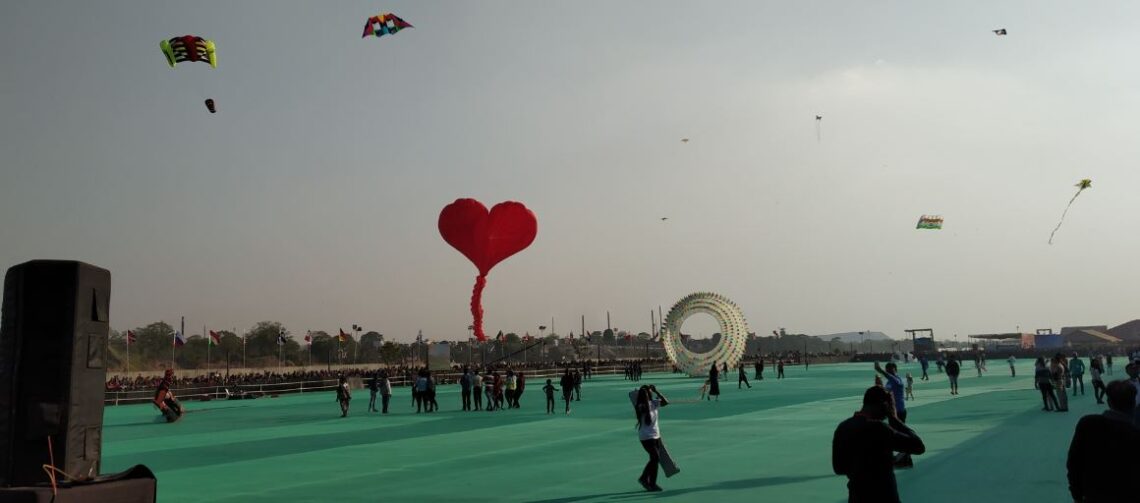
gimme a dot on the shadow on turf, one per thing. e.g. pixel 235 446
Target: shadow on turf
pixel 755 483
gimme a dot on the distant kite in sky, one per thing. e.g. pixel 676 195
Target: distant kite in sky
pixel 189 48
pixel 929 222
pixel 384 24
pixel 999 32
pixel 210 105
pixel 1081 186
pixel 684 140
pixel 818 126
pixel 664 219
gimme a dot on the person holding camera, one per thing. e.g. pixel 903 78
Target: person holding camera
pixel 863 448
pixel 648 401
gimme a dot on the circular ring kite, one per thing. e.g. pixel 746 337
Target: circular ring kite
pixel 733 330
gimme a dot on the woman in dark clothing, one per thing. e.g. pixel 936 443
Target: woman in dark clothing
pixel 1042 380
pixel 429 402
pixel 714 382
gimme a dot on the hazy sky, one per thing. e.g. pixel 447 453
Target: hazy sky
pixel 311 197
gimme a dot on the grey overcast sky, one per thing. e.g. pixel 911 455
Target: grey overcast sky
pixel 311 197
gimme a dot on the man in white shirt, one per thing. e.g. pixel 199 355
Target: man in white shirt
pixel 477 387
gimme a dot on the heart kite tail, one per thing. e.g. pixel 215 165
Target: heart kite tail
pixel 477 306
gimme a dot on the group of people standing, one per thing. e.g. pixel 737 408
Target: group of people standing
pixel 506 391
pixel 1052 379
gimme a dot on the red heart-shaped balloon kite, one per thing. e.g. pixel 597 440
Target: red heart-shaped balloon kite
pixel 486 238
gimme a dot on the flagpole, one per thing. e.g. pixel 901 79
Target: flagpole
pixel 209 342
pixel 128 354
pixel 174 344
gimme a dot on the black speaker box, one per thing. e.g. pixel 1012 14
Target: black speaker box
pixel 136 485
pixel 53 338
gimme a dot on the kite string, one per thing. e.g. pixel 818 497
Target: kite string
pixel 1066 212
pixel 477 306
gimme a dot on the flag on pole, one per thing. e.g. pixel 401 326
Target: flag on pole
pixel 130 336
pixel 309 337
pixel 179 340
pixel 343 336
pixel 499 337
pixel 215 339
pixel 280 339
pixel 420 337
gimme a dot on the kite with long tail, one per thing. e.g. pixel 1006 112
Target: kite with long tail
pixel 486 238
pixel 1081 186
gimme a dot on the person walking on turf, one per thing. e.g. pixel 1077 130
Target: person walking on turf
pixel 1102 455
pixel 1058 374
pixel 1108 362
pixel 549 390
pixel 578 385
pixel 724 370
pixel 714 383
pixel 512 387
pixel 863 449
pixel 567 384
pixel 925 364
pixel 649 401
pixel 780 368
pixel 1096 371
pixel 741 376
pixel 953 370
pixel 497 387
pixel 373 388
pixel 343 396
pixel 431 403
pixel 520 386
pixel 757 367
pixel 465 389
pixel 1012 368
pixel 420 392
pixel 489 390
pixel 1077 371
pixel 1044 383
pixel 385 392
pixel 477 389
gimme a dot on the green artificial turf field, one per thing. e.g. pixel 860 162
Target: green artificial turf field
pixel 769 443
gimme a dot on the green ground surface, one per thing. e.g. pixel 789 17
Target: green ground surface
pixel 769 443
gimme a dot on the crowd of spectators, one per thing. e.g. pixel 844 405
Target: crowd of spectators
pixel 401 374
